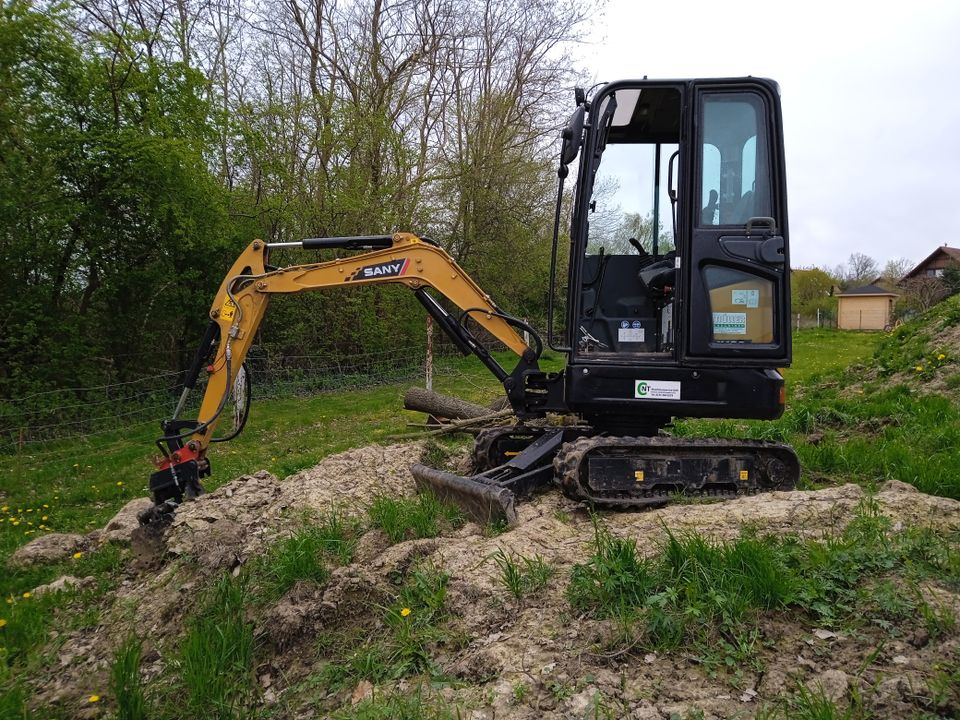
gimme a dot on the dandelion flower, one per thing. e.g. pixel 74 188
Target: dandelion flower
pixel 941 356
pixel 4 508
pixel 77 555
pixel 26 595
pixel 44 517
pixel 45 505
pixel 3 622
pixel 919 368
pixel 93 698
pixel 120 483
pixel 405 612
pixel 16 522
pixel 78 465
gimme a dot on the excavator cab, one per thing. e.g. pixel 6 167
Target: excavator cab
pixel 678 297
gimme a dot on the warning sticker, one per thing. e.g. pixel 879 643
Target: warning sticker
pixel 727 323
pixel 228 310
pixel 630 335
pixel 656 390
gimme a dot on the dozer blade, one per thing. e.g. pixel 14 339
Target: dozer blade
pixel 479 500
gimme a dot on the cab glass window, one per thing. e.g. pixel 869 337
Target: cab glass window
pixel 734 160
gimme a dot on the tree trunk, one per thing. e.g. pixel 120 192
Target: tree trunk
pixel 441 406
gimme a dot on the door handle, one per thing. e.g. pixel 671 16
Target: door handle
pixel 769 251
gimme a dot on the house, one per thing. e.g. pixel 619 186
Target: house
pixel 865 308
pixel 934 264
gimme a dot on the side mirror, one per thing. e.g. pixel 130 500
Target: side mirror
pixel 572 136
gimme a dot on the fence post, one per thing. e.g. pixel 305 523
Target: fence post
pixel 429 363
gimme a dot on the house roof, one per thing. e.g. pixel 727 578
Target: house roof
pixel 951 252
pixel 867 290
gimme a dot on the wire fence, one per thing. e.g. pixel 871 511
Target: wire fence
pixel 33 422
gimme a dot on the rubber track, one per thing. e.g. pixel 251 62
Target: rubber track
pixel 567 464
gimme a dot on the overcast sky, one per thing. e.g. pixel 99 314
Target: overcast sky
pixel 871 105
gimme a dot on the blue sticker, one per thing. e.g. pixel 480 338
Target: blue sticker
pixel 637 325
pixel 624 323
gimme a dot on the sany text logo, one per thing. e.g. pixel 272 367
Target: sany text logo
pixel 393 268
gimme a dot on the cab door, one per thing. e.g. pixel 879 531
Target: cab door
pixel 736 280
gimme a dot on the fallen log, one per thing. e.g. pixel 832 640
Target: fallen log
pixel 441 406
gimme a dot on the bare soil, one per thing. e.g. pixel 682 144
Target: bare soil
pixel 539 645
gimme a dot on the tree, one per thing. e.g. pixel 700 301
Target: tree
pixel 920 293
pixel 860 270
pixel 894 271
pixel 811 289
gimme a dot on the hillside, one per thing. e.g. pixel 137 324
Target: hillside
pixel 337 592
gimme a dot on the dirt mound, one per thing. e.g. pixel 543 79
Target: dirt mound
pixel 539 645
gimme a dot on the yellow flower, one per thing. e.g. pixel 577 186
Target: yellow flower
pixel 77 555
pixel 29 509
pixel 16 522
pixel 93 698
pixel 941 356
pixel 26 595
pixel 78 465
pixel 405 612
pixel 2 622
pixel 120 484
pixel 919 368
pixel 44 517
pixel 46 506
pixel 4 508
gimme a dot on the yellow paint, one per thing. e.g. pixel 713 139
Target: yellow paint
pixel 744 475
pixel 638 475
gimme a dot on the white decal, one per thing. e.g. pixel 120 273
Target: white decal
pixel 631 335
pixel 656 390
pixel 387 269
pixel 728 323
pixel 750 298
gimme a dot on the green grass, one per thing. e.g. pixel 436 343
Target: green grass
pixel 125 684
pixel 400 644
pixel 522 576
pixel 418 706
pixel 77 478
pixel 820 353
pixel 216 654
pixel 710 595
pixel 308 553
pixel 412 518
pixel 806 704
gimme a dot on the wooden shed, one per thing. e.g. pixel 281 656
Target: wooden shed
pixel 865 308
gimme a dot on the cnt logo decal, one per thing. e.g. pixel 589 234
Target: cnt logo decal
pixel 393 268
pixel 643 389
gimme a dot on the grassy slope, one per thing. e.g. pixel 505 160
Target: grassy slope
pixel 831 411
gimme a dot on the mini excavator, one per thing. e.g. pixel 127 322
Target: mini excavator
pixel 677 306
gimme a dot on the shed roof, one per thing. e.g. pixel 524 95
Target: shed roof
pixel 867 290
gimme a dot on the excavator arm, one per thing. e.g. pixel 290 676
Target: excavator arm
pixel 239 308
